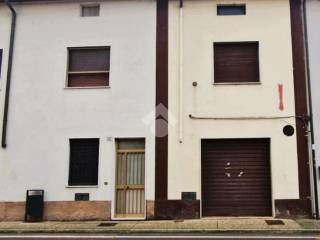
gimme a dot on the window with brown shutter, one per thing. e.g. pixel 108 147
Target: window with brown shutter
pixel 89 67
pixel 236 62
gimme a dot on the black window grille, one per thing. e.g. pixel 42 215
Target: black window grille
pixel 84 161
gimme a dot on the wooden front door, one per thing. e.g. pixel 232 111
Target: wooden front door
pixel 130 193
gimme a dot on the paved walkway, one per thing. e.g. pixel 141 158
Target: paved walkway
pixel 187 226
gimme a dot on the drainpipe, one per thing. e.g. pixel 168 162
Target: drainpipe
pixel 9 71
pixel 181 72
pixel 314 166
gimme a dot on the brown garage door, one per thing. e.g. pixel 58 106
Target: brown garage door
pixel 236 177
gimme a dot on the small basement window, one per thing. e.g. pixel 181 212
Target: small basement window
pixel 236 62
pixel 88 67
pixel 90 10
pixel 227 10
pixel 84 161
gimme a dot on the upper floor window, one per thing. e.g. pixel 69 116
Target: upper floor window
pixel 231 10
pixel 89 67
pixel 236 62
pixel 84 161
pixel 90 10
pixel 0 61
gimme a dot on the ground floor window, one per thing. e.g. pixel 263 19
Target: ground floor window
pixel 84 161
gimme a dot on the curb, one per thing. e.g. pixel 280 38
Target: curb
pixel 163 231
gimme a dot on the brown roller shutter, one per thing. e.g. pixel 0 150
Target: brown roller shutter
pixel 88 80
pixel 89 59
pixel 236 62
pixel 236 177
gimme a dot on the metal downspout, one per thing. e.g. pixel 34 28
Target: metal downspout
pixel 9 73
pixel 314 167
pixel 181 120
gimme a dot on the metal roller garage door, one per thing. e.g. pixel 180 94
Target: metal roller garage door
pixel 236 177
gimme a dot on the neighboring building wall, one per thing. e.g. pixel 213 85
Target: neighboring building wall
pixel 44 114
pixel 313 19
pixel 266 21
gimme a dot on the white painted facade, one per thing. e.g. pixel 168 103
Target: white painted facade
pixel 44 114
pixel 266 21
pixel 313 19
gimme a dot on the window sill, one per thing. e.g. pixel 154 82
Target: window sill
pixel 84 186
pixel 237 83
pixel 102 87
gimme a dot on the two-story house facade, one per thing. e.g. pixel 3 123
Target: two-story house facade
pixel 81 97
pixel 237 142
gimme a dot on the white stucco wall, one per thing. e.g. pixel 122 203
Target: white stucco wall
pixel 313 19
pixel 44 114
pixel 266 21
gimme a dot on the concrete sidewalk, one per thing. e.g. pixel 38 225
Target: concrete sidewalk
pixel 223 225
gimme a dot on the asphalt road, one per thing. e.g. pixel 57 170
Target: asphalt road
pixel 156 237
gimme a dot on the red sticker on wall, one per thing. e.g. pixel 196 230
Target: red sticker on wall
pixel 280 90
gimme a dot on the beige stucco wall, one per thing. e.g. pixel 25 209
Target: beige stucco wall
pixel 266 21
